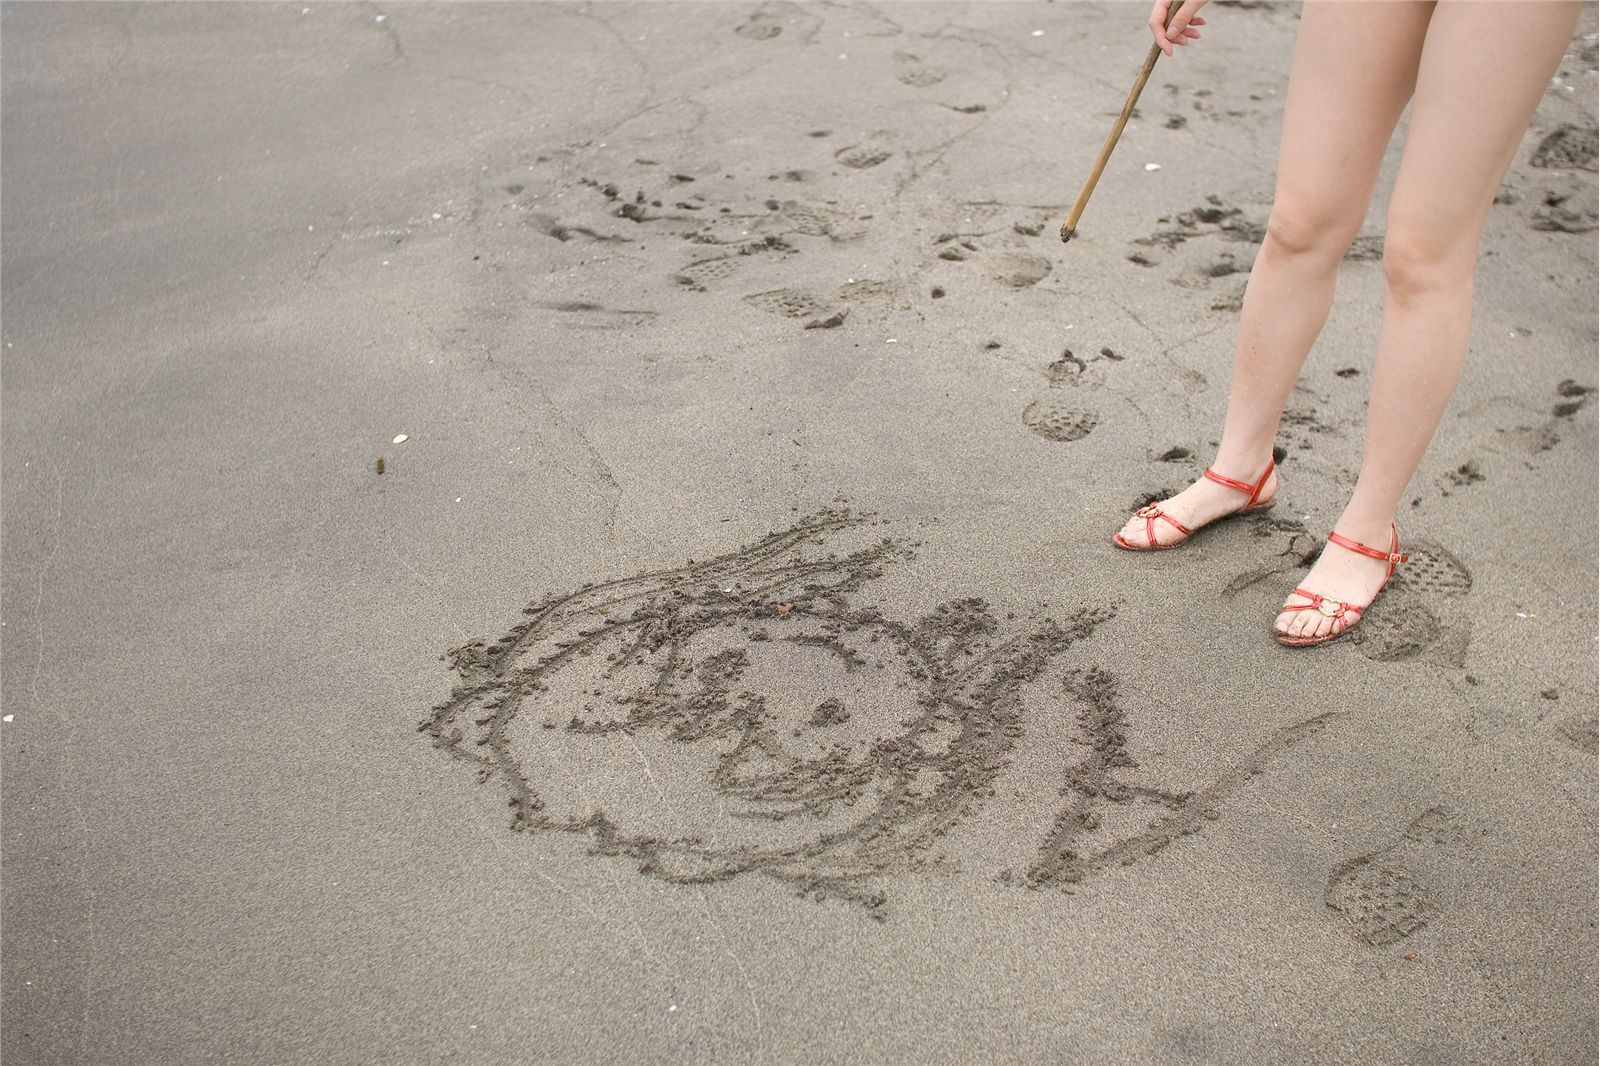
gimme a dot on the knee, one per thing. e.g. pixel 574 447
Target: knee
pixel 1416 263
pixel 1303 231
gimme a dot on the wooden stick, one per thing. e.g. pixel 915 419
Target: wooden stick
pixel 1070 226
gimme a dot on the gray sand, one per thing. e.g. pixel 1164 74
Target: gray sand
pixel 732 663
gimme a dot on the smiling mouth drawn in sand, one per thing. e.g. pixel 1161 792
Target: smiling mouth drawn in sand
pixel 751 714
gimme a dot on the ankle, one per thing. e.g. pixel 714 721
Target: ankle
pixel 1241 464
pixel 1366 528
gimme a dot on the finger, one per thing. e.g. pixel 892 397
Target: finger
pixel 1158 19
pixel 1179 20
pixel 1186 14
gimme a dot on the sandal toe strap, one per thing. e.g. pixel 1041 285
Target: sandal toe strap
pixel 1150 512
pixel 1340 607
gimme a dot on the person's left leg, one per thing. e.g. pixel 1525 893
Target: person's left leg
pixel 1485 66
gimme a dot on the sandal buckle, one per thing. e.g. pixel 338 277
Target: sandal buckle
pixel 1321 605
pixel 1149 510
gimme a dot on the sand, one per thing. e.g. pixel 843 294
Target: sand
pixel 731 663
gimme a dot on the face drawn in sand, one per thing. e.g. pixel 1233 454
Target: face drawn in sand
pixel 751 714
pixel 748 714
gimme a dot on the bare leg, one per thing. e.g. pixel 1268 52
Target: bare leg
pixel 1354 68
pixel 1485 66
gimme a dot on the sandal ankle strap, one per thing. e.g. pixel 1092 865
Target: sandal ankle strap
pixel 1394 555
pixel 1243 486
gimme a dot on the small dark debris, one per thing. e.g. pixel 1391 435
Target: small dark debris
pixel 835 319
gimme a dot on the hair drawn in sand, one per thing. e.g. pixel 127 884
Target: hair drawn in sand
pixel 798 732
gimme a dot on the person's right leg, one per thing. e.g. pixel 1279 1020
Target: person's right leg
pixel 1354 68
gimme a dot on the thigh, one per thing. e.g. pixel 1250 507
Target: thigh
pixel 1354 68
pixel 1485 66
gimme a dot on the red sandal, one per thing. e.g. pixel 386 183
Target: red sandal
pixel 1340 609
pixel 1150 512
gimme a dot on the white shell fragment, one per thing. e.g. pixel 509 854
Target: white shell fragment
pixel 400 439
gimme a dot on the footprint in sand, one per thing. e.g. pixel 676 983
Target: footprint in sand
pixel 1567 147
pixel 792 303
pixel 1378 898
pixel 703 271
pixel 1422 612
pixel 911 70
pixel 1579 730
pixel 1053 419
pixel 817 220
pixel 1571 398
pixel 763 25
pixel 862 156
pixel 1020 271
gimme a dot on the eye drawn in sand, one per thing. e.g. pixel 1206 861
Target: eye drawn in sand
pixel 1377 896
pixel 753 713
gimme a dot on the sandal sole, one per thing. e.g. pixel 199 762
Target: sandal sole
pixel 1309 643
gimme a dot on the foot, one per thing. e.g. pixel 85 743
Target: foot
pixel 1338 574
pixel 1202 502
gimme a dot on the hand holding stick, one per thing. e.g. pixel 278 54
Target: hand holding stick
pixel 1070 226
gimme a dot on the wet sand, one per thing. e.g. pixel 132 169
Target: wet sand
pixel 732 663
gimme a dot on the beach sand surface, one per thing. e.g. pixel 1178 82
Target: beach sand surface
pixel 731 663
